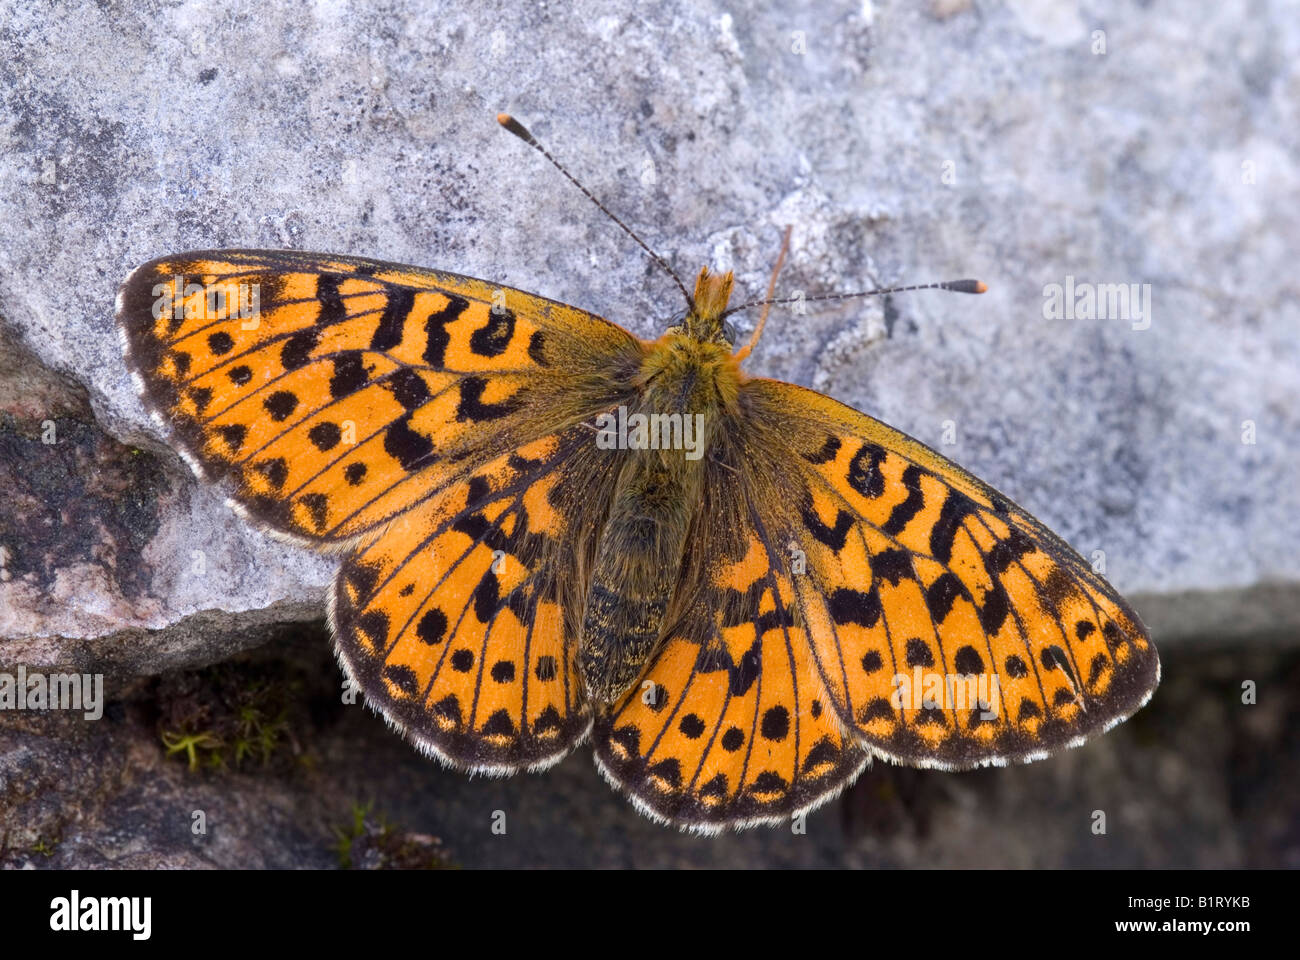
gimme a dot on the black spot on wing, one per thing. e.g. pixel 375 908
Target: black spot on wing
pixel 449 709
pixel 834 537
pixel 220 343
pixel 848 606
pixel 902 514
pixel 432 628
pixel 919 654
pixel 487 597
pixel 406 446
pixel 670 771
pixel 956 508
pixel 276 471
pixel 995 608
pixel 548 719
pixel 769 781
pixel 1006 552
pixel 317 506
pixel 691 726
pixel 280 405
pixel 893 565
pixel 537 349
pixel 776 724
pixel 373 626
pixel 499 725
pixel 408 388
pixel 389 332
pixel 942 594
pixel 1028 710
pixel 492 339
pixel 332 309
pixel 864 474
pixel 235 433
pixel 349 375
pixel 968 661
pixel 324 436
pixel 437 337
pixel 472 407
pixel 827 452
pixel 403 678
pixel 546 669
pixel 715 788
pixel 297 349
pixel 200 397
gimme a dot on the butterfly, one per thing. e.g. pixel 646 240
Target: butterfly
pixel 551 530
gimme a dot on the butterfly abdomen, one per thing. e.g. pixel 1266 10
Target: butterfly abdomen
pixel 638 560
pixel 664 440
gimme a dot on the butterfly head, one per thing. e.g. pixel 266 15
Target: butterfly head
pixel 712 293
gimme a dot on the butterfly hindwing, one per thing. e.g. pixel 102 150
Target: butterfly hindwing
pixel 337 392
pixel 459 622
pixel 949 628
pixel 729 725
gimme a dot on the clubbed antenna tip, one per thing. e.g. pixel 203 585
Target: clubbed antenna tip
pixel 515 127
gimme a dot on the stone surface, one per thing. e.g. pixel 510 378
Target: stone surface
pixel 105 794
pixel 908 142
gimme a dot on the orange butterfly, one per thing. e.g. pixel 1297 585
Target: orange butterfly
pixel 742 590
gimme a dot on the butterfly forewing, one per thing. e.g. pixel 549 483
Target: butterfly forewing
pixel 338 392
pixel 949 627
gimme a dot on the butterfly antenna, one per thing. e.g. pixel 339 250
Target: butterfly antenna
pixel 955 286
pixel 520 131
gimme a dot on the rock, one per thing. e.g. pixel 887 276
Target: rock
pixel 340 789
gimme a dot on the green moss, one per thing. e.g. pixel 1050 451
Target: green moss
pixel 198 747
pixel 229 717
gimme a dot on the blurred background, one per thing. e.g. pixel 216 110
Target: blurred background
pixel 1043 147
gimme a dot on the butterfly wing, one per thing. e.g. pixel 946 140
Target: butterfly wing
pixel 338 392
pixel 835 555
pixel 461 622
pixel 917 570
pixel 730 725
pixel 429 424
